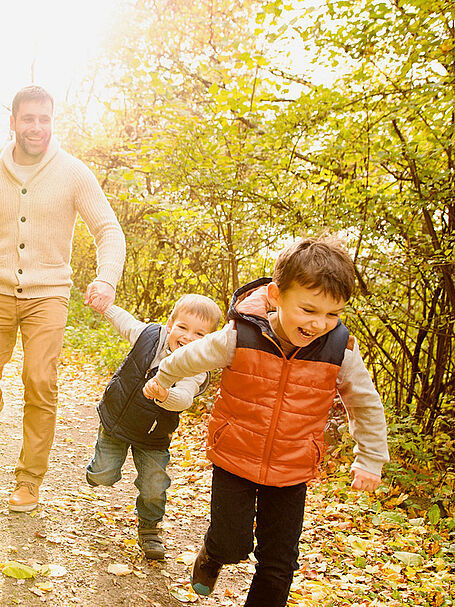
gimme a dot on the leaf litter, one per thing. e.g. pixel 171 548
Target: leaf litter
pixel 356 549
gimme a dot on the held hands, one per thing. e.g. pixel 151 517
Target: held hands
pixel 363 480
pixel 99 296
pixel 153 390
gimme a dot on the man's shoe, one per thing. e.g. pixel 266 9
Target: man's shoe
pixel 24 498
pixel 151 543
pixel 205 573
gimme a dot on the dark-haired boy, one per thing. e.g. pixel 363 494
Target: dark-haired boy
pixel 285 354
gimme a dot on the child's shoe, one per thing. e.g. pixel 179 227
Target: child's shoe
pixel 90 481
pixel 205 573
pixel 151 543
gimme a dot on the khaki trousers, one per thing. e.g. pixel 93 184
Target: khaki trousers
pixel 42 323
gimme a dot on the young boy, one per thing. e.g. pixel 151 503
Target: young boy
pixel 285 354
pixel 128 418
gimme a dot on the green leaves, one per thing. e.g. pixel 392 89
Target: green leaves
pixel 218 143
pixel 434 514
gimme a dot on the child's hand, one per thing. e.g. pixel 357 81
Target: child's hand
pixel 99 296
pixel 152 389
pixel 363 480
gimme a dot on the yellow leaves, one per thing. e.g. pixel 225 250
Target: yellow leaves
pixel 45 586
pixel 21 572
pixel 311 594
pixel 358 545
pixel 295 599
pixel 410 573
pixel 409 558
pixel 187 460
pixel 186 557
pixel 119 569
pixel 18 570
pixel 345 559
pixel 183 593
pixel 396 501
pixel 128 175
pixel 42 588
pixel 52 570
pixel 392 572
pixel 440 564
pixel 447 46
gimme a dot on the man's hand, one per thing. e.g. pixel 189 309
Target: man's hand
pixel 153 390
pixel 363 480
pixel 99 296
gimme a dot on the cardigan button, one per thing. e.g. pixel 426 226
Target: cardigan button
pixel 19 290
pixel 22 245
pixel 19 271
pixel 24 190
pixel 23 219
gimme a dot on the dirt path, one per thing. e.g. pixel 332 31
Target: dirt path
pixel 78 532
pixel 356 549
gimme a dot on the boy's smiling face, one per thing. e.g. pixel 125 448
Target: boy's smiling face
pixel 185 328
pixel 303 313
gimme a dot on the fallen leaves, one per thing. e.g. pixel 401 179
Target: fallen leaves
pixel 42 588
pixel 409 558
pixel 120 569
pixel 187 558
pixel 376 555
pixel 18 570
pixel 183 593
pixel 23 571
pixel 356 550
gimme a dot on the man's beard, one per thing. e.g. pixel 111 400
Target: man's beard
pixel 29 148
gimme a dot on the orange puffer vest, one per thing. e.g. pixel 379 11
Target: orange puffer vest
pixel 267 423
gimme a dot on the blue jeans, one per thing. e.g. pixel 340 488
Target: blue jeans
pixel 152 480
pixel 236 502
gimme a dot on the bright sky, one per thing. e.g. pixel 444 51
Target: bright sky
pixel 59 37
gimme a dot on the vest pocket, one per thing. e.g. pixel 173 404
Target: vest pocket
pixel 216 434
pixel 318 453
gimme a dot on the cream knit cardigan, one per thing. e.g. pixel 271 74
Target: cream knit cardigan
pixel 37 221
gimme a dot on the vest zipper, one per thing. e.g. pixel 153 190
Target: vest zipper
pixel 277 409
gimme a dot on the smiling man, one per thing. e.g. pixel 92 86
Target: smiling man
pixel 31 120
pixel 42 189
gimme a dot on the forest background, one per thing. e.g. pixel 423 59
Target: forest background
pixel 218 140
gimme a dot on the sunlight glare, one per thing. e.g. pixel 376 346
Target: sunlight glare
pixel 51 43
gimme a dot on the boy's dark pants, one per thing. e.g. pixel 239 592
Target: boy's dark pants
pixel 279 517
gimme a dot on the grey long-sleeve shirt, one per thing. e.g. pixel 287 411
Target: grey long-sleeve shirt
pixel 182 394
pixel 362 402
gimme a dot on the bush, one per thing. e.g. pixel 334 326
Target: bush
pixel 93 337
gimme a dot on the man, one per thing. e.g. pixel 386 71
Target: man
pixel 42 188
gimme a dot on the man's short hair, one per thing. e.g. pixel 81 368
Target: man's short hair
pixel 30 93
pixel 198 305
pixel 319 263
